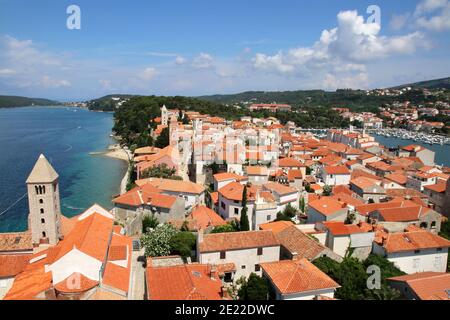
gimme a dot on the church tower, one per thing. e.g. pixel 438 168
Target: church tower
pixel 164 116
pixel 44 204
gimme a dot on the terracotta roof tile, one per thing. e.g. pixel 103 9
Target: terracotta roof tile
pixel 326 205
pixel 409 241
pixel 204 217
pixel 13 264
pixel 427 285
pixel 295 241
pixel 237 240
pixel 298 276
pixel 183 282
pixel 17 241
pixel 75 283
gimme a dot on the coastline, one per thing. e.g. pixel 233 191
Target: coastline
pixel 117 152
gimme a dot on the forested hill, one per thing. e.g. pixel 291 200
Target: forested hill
pixel 16 101
pixel 354 99
pixel 357 100
pixel 109 102
pixel 443 83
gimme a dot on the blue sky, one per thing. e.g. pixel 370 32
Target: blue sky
pixel 207 47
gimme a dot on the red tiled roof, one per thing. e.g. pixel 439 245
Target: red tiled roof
pixel 13 264
pixel 237 240
pixel 279 188
pixel 228 176
pixel 276 226
pixel 336 170
pixel 183 282
pixel 146 194
pixel 427 285
pixel 339 228
pixel 326 205
pixel 118 276
pixel 75 283
pixel 409 241
pixel 17 241
pixel 296 241
pixel 289 162
pixel 439 187
pixel 204 217
pixel 173 185
pixel 291 277
pixel 234 191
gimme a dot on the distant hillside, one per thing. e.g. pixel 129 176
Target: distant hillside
pixel 16 101
pixel 109 102
pixel 443 83
pixel 354 99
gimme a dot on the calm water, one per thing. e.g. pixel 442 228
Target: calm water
pixel 66 137
pixel 442 156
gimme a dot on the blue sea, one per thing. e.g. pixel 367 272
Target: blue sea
pixel 65 136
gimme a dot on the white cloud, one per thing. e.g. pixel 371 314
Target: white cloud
pixel 398 21
pixel 433 15
pixel 148 74
pixel 352 41
pixel 180 60
pixel 333 82
pixel 7 72
pixel 427 6
pixel 203 61
pixel 48 82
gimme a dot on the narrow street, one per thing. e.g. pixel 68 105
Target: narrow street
pixel 137 282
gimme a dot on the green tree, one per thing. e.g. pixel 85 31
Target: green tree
pixel 282 217
pixel 229 227
pixel 160 171
pixel 352 276
pixel 255 288
pixel 290 211
pixel 157 241
pixel 149 222
pixel 243 222
pixel 302 204
pixel 163 139
pixel 327 190
pixel 182 243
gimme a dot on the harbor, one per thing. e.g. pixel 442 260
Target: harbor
pixel 419 137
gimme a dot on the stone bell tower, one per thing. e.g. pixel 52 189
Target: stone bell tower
pixel 164 116
pixel 43 200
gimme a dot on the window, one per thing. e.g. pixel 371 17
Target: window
pixel 222 205
pixel 44 235
pixel 260 251
pixel 36 189
pixel 223 255
pixel 236 211
pixel 42 220
pixel 269 217
pixel 433 225
pixel 41 201
pixel 416 251
pixel 257 267
pixel 243 267
pixel 439 250
pixel 42 210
